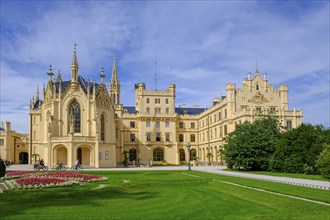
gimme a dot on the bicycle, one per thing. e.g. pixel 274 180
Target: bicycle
pixel 59 167
pixel 38 167
pixel 80 167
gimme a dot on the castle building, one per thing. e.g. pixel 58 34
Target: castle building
pixel 81 119
pixel 14 147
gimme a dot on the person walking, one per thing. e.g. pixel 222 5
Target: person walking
pixel 77 164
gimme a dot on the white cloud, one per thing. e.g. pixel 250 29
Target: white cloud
pixel 200 46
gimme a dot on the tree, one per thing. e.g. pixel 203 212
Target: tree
pixel 209 155
pixel 251 145
pixel 2 168
pixel 297 150
pixel 323 162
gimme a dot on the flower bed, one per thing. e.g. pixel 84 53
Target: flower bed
pixel 75 176
pixel 33 180
pixel 17 174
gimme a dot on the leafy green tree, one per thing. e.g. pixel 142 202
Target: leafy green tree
pixel 2 168
pixel 251 145
pixel 297 150
pixel 323 162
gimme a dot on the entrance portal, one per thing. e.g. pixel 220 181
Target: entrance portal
pixel 23 158
pixel 84 155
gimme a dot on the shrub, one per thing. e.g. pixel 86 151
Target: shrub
pixel 323 162
pixel 2 168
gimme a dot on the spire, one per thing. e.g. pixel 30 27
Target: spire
pixel 102 75
pixel 59 78
pixel 114 77
pixel 50 73
pixel 74 59
pixel 115 84
pixel 37 93
pixel 74 66
pixel 257 72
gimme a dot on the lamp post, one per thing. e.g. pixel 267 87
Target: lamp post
pixel 188 147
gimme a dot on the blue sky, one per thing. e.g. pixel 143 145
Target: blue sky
pixel 199 46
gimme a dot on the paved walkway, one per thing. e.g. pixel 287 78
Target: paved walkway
pixel 212 169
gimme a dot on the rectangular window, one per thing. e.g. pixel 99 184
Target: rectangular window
pixel 289 125
pixel 147 101
pixel 180 124
pixel 132 124
pixel 181 139
pixel 225 129
pixel 157 136
pixel 157 100
pixel 148 136
pixel 100 155
pixel 167 110
pixel 258 109
pixel 157 124
pixel 157 110
pixel 225 113
pixel 192 124
pixel 132 137
pixel 220 131
pixel 2 142
pixel 215 133
pixel 167 124
pixel 148 124
pixel 107 155
pixel 211 132
pixel 166 100
pixel 272 109
pixel 167 136
pixel 220 116
pixel 148 110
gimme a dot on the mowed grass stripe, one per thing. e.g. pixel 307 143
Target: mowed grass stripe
pixel 155 195
pixel 275 193
pixel 262 190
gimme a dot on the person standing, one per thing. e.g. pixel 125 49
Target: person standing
pixel 77 164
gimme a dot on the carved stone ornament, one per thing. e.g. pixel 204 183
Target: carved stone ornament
pixel 103 99
pixel 258 98
pixel 48 97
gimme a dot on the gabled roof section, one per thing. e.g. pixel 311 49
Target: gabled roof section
pixel 189 111
pixel 81 81
pixel 130 109
pixel 37 104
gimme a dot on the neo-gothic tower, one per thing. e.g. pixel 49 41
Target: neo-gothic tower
pixel 114 85
pixel 74 66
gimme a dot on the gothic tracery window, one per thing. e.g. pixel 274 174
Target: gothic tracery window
pixel 74 115
pixel 102 128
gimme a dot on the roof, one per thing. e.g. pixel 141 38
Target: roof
pixel 130 109
pixel 189 111
pixel 81 81
pixel 37 104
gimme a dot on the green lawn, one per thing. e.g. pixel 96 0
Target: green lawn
pixel 164 195
pixel 293 175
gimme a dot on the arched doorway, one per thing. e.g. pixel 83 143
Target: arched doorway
pixel 23 158
pixel 132 154
pixel 182 156
pixel 60 154
pixel 192 154
pixel 84 155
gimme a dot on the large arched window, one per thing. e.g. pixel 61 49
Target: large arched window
pixel 182 155
pixel 132 154
pixel 158 154
pixel 74 115
pixel 102 128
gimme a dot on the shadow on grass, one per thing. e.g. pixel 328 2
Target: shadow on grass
pixel 18 202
